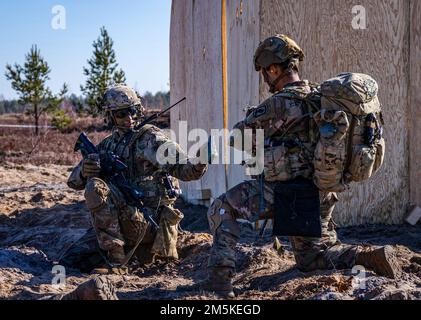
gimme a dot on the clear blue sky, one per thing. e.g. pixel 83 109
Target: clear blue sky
pixel 139 28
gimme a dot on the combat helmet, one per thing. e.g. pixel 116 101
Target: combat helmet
pixel 120 97
pixel 276 50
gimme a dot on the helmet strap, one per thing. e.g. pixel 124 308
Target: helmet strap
pixel 109 119
pixel 274 83
pixel 114 123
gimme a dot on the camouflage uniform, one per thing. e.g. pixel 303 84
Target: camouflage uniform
pixel 275 116
pixel 117 224
pixel 291 136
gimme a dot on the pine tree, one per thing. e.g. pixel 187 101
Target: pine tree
pixel 29 82
pixel 54 102
pixel 102 71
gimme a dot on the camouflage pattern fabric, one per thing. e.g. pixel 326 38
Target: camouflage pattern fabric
pixel 242 202
pixel 290 141
pixel 288 132
pixel 120 97
pixel 117 224
pixel 276 50
pixel 351 147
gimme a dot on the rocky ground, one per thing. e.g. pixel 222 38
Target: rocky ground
pixel 40 217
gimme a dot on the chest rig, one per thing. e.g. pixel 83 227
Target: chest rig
pixel 155 184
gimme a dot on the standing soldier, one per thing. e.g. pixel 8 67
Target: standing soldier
pixel 117 224
pixel 285 123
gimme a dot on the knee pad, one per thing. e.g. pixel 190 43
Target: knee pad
pixel 220 216
pixel 96 194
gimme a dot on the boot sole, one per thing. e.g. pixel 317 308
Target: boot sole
pixel 105 288
pixel 98 288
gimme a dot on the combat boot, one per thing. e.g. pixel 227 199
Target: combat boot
pixel 98 288
pixel 382 261
pixel 115 259
pixel 106 269
pixel 219 282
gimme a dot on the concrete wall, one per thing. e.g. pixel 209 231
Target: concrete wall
pixel 388 49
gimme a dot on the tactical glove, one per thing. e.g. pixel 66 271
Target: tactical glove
pixel 91 166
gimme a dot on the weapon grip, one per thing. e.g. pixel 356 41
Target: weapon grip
pixel 84 145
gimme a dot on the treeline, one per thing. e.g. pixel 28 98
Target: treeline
pixel 159 100
pixel 29 80
pixel 11 106
pixel 79 105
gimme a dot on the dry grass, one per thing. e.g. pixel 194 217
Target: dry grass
pixel 20 145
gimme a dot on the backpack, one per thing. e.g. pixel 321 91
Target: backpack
pixel 350 146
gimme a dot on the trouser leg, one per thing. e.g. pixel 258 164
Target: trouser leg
pixel 243 202
pixel 105 221
pixel 326 252
pixel 226 232
pixel 240 202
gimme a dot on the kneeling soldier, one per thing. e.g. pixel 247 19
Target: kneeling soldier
pixel 285 124
pixel 118 225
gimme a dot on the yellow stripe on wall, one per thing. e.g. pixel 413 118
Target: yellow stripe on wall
pixel 225 81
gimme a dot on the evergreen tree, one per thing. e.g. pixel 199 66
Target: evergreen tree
pixel 159 100
pixel 101 71
pixel 54 102
pixel 29 81
pixel 78 104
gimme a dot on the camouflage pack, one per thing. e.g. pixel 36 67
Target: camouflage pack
pixel 351 146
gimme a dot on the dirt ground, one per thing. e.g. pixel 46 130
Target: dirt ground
pixel 40 216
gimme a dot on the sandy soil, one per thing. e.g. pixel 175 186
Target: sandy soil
pixel 40 217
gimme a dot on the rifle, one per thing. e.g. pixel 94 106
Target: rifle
pixel 113 170
pixel 172 192
pixel 156 115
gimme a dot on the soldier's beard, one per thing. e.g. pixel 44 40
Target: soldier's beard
pixel 271 84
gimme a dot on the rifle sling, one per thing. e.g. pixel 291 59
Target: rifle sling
pixel 349 146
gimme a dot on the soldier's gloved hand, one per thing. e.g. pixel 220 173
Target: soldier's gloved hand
pixel 91 166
